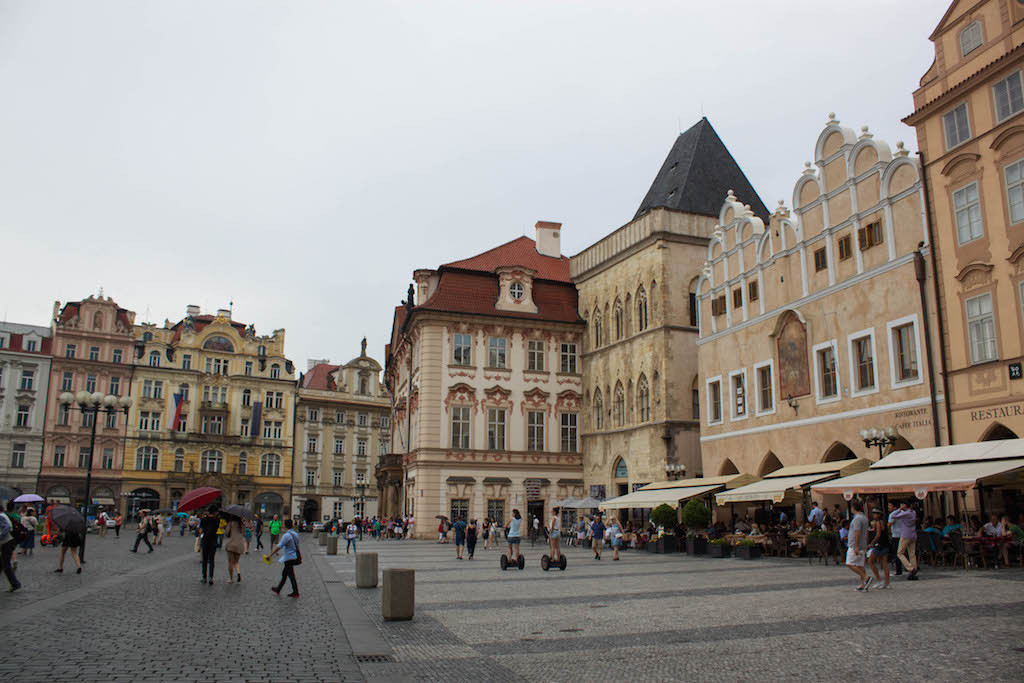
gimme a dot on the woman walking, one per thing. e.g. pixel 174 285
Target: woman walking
pixel 159 530
pixel 30 522
pixel 615 536
pixel 351 531
pixel 879 544
pixel 208 541
pixel 72 541
pixel 235 545
pixel 487 532
pixel 471 538
pixel 288 546
pixel 117 526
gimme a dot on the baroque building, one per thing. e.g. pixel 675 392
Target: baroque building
pixel 92 347
pixel 484 372
pixel 970 130
pixel 24 382
pixel 818 323
pixel 342 433
pixel 636 294
pixel 213 406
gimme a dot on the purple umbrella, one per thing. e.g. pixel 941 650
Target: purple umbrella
pixel 29 498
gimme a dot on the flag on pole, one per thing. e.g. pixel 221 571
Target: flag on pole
pixel 179 400
pixel 257 417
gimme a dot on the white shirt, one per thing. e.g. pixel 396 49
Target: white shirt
pixel 352 530
pixel 536 523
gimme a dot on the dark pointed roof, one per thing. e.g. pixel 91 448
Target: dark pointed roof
pixel 698 174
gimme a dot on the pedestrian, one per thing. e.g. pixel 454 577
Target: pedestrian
pixel 905 519
pixel 221 528
pixel 856 555
pixel 513 534
pixel 597 531
pixel 117 526
pixel 440 532
pixel 8 544
pixel 235 545
pixel 101 523
pixel 182 523
pixel 158 530
pixel 554 534
pixel 350 537
pixel 259 533
pixel 29 522
pixel 471 538
pixel 615 535
pixel 459 527
pixel 209 541
pixel 248 536
pixel 70 540
pixel 816 516
pixel 581 531
pixel 275 530
pixel 879 552
pixel 290 556
pixel 894 540
pixel 535 532
pixel 142 534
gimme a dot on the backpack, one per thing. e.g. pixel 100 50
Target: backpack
pixel 18 531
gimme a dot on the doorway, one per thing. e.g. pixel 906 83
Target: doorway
pixel 534 508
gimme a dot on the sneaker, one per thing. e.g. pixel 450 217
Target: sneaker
pixel 293 595
pixel 78 571
pixel 277 591
pixel 860 588
pixel 884 586
pixel 14 588
pixel 867 583
pixel 58 571
pixel 912 577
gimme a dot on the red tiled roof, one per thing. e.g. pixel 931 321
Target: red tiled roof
pixel 462 292
pixel 519 252
pixel 316 378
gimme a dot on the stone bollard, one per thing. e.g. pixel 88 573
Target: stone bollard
pixel 332 545
pixel 366 570
pixel 398 599
pixel 316 534
pixel 323 539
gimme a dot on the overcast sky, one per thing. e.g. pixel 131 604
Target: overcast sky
pixel 303 158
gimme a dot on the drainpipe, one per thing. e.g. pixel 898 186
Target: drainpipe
pixel 921 272
pixel 939 318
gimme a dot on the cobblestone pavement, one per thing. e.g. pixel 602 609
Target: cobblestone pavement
pixel 675 617
pixel 146 617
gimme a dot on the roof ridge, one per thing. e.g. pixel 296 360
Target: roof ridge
pixel 700 131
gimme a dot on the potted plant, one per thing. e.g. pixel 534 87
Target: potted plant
pixel 696 516
pixel 748 550
pixel 719 547
pixel 664 516
pixel 823 545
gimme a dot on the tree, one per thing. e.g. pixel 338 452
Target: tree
pixel 664 516
pixel 696 515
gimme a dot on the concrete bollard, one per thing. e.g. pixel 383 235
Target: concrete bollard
pixel 366 570
pixel 398 599
pixel 316 534
pixel 332 545
pixel 323 539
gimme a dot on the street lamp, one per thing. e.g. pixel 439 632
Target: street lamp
pixel 93 404
pixel 879 437
pixel 675 471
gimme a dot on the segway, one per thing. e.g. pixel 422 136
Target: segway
pixel 505 564
pixel 546 563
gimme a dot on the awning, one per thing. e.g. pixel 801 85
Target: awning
pixel 570 482
pixel 652 498
pixel 567 502
pixel 587 503
pixel 922 479
pixel 785 485
pixel 103 501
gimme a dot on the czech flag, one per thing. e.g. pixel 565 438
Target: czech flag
pixel 179 400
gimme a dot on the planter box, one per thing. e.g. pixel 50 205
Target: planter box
pixel 719 550
pixel 697 546
pixel 666 544
pixel 748 552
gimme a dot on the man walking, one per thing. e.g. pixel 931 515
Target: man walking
pixel 597 529
pixel 143 533
pixel 905 521
pixel 275 530
pixel 8 544
pixel 858 550
pixel 259 533
pixel 290 556
pixel 894 540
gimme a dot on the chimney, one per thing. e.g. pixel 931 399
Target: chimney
pixel 191 311
pixel 548 239
pixel 224 312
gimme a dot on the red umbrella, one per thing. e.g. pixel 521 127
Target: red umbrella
pixel 197 498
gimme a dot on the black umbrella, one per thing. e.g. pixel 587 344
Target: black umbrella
pixel 68 519
pixel 239 511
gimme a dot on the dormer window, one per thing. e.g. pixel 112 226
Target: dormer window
pixel 517 291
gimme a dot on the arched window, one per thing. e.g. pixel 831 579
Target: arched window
pixel 179 460
pixel 693 302
pixel 146 458
pixel 270 465
pixel 243 462
pixel 97 321
pixel 364 385
pixel 275 371
pixel 154 359
pixel 218 343
pixel 641 310
pixel 619 406
pixel 643 399
pixel 211 461
pixel 621 469
pixel 147 336
pixel 620 323
pixel 598 410
pixel 597 329
pixel 246 398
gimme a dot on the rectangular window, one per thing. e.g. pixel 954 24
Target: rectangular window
pixel 338 478
pixel 115 386
pixel 361 447
pixel 718 305
pixel 147 388
pixel 1009 99
pixel 183 425
pixel 278 429
pixel 827 372
pixel 339 446
pixel 107 463
pixel 63 415
pixel 310 477
pixel 739 395
pixel 18 455
pixel 460 426
pixel 179 464
pixel 967 205
pixel 981 328
pixel 28 379
pixel 752 292
pixel 313 415
pixel 864 360
pixel 534 430
pixel 30 345
pixel 339 417
pixel 460 508
pixel 495 429
pixel 67 381
pixel 94 353
pixel 339 510
pixel 88 419
pixel 84 455
pixel 904 343
pixel 870 235
pixel 1014 174
pixel 363 419
pixel 496 352
pixel 111 420
pixel 737 297
pixel 820 260
pixel 568 354
pixel 248 368
pixel 311 444
pixel 382 448
pixel 765 389
pixel 385 422
pixel 24 417
pixel 570 433
pixel 714 402
pixel 186 362
pixel 144 420
pixel 462 349
pixel 970 38
pixel 158 389
pixel 956 126
pixel 243 428
pixel 496 510
pixel 267 427
pixel 116 356
pixel 535 355
pixel 213 424
pixel 69 351
pixel 58 455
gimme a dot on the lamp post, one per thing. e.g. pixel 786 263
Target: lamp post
pixel 675 471
pixel 93 404
pixel 880 438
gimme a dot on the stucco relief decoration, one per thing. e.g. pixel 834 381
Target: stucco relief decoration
pixel 534 399
pixel 1017 259
pixel 497 397
pixel 414 400
pixel 794 372
pixel 975 275
pixel 569 400
pixel 461 394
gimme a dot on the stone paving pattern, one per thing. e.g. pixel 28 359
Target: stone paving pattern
pixel 676 617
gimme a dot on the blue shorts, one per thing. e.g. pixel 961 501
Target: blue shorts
pixel 513 540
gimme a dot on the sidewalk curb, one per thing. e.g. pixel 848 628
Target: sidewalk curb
pixel 363 636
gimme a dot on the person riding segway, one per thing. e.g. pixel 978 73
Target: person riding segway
pixel 513 534
pixel 556 559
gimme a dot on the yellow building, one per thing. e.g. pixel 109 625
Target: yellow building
pixel 234 427
pixel 970 129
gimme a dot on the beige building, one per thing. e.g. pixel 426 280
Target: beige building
pixel 970 129
pixel 342 432
pixel 813 326
pixel 636 292
pixel 234 428
pixel 484 373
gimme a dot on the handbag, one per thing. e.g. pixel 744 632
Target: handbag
pixel 195 549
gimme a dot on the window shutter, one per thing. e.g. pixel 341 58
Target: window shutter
pixel 862 238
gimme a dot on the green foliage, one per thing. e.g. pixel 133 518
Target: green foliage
pixel 829 535
pixel 719 541
pixel 696 515
pixel 748 543
pixel 664 516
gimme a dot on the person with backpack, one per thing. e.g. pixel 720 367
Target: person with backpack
pixel 291 557
pixel 9 523
pixel 143 533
